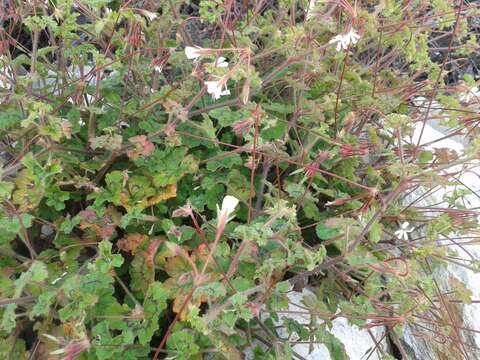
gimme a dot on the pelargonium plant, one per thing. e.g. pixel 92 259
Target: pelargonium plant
pixel 172 171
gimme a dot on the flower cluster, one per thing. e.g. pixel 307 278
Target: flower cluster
pixel 402 232
pixel 343 41
pixel 216 88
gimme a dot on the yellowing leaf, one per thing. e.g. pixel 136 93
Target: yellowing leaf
pixel 170 191
pixel 165 193
pixel 28 194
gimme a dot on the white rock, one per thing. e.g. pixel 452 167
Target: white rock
pixel 421 348
pixel 357 342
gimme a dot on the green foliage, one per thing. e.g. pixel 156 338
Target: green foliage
pixel 118 149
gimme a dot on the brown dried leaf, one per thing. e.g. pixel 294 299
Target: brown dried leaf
pixel 131 242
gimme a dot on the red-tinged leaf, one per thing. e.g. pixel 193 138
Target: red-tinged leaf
pixel 103 227
pixel 143 147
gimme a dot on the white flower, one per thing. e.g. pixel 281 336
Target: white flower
pixel 474 92
pixel 229 204
pixel 344 40
pixel 150 15
pixel 221 62
pixel 108 11
pixel 81 122
pixel 215 88
pixel 193 52
pixel 158 68
pixel 402 233
pixel 123 125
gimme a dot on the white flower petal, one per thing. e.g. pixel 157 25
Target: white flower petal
pixel 335 39
pixel 150 15
pixel 229 204
pixel 215 88
pixel 353 36
pixel 402 232
pixel 51 337
pixel 222 62
pixel 225 92
pixel 345 40
pixel 57 352
pixel 193 52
